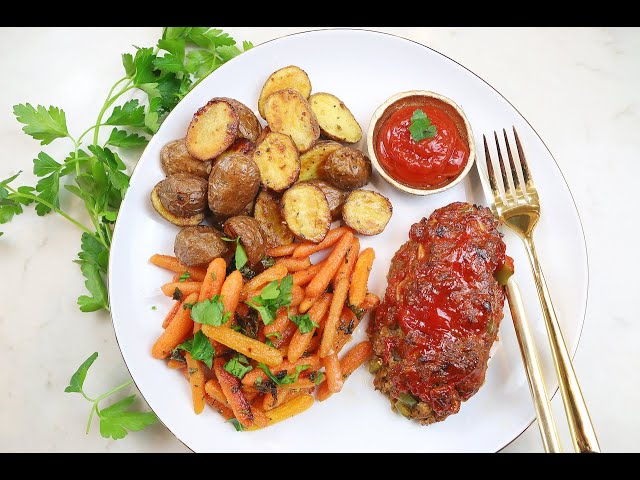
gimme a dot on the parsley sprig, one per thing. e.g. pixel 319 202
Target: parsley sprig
pixel 93 171
pixel 273 296
pixel 286 379
pixel 116 420
pixel 421 127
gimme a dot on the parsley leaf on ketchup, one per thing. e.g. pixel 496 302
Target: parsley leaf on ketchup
pixel 421 127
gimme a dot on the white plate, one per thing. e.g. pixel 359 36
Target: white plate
pixel 362 68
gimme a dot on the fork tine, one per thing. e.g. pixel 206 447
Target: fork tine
pixel 507 187
pixel 523 160
pixel 490 172
pixel 514 172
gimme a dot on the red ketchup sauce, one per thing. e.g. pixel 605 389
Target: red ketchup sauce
pixel 427 163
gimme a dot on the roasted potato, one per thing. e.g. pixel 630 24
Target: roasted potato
pixel 346 169
pixel 288 77
pixel 233 184
pixel 288 112
pixel 251 236
pixel 277 159
pixel 199 245
pixel 312 159
pixel 175 158
pixel 335 119
pixel 217 125
pixel 367 212
pixel 192 220
pixel 267 212
pixel 335 197
pixel 306 211
pixel 183 195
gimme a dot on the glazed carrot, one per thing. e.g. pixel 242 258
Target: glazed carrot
pixel 251 394
pixel 360 277
pixel 272 401
pixel 187 288
pixel 175 265
pixel 346 326
pixel 313 344
pixel 243 344
pixel 333 372
pixel 176 332
pixel 212 283
pixel 294 264
pixel 306 304
pixel 303 277
pixel 196 379
pixel 300 341
pixel 179 278
pixel 260 419
pixel 235 397
pixel 289 409
pixel 230 293
pixel 222 409
pixel 300 384
pixel 340 292
pixel 175 364
pixel 279 324
pixel 282 250
pixel 270 274
pixel 321 281
pixel 171 314
pixel 371 300
pixel 290 367
pixel 349 363
pixel 214 390
pixel 306 249
pixel 297 296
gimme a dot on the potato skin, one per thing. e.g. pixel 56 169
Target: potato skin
pixel 248 124
pixel 367 212
pixel 306 211
pixel 233 184
pixel 335 119
pixel 183 195
pixel 199 245
pixel 191 220
pixel 288 112
pixel 335 197
pixel 251 236
pixel 287 77
pixel 312 159
pixel 175 158
pixel 267 212
pixel 346 169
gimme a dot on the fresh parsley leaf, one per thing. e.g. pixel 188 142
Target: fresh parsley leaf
pixel 319 378
pixel 44 165
pixel 123 139
pixel 304 323
pixel 238 366
pixel 421 127
pixel 128 64
pixel 93 252
pixel 236 424
pixel 286 379
pixel 240 255
pixel 184 277
pixel 153 307
pixel 129 114
pixel 77 379
pixel 186 305
pixel 227 52
pixel 268 262
pixel 96 287
pixel 48 189
pixel 200 62
pixel 116 421
pixel 272 297
pixel 42 124
pixel 174 60
pixel 200 348
pixel 269 343
pixel 210 312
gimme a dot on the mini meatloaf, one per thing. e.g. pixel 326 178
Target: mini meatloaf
pixel 440 314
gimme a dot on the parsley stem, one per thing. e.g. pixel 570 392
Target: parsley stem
pixel 93 408
pixel 110 100
pixel 55 209
pixel 110 392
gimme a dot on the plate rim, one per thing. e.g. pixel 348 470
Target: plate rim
pixel 346 29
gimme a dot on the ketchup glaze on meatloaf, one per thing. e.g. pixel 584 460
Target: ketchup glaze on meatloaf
pixel 440 314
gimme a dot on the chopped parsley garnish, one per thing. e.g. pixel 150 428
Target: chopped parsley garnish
pixel 185 276
pixel 272 297
pixel 238 366
pixel 421 127
pixel 285 379
pixel 199 347
pixel 210 312
pixel 304 323
pixel 241 254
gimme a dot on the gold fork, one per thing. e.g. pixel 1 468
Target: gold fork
pixel 520 211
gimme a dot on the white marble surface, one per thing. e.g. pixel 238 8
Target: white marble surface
pixel 578 88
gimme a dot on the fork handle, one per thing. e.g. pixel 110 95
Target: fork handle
pixel 546 424
pixel 581 428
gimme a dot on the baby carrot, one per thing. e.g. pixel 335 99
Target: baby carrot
pixel 360 277
pixel 330 267
pixel 306 249
pixel 176 332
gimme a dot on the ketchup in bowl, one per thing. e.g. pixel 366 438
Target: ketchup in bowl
pixel 424 164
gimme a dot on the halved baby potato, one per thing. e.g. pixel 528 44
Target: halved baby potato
pixel 335 119
pixel 191 220
pixel 175 158
pixel 216 126
pixel 306 211
pixel 277 159
pixel 335 197
pixel 312 159
pixel 267 212
pixel 367 212
pixel 288 112
pixel 288 77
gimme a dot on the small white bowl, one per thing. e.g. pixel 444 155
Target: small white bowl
pixel 418 96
